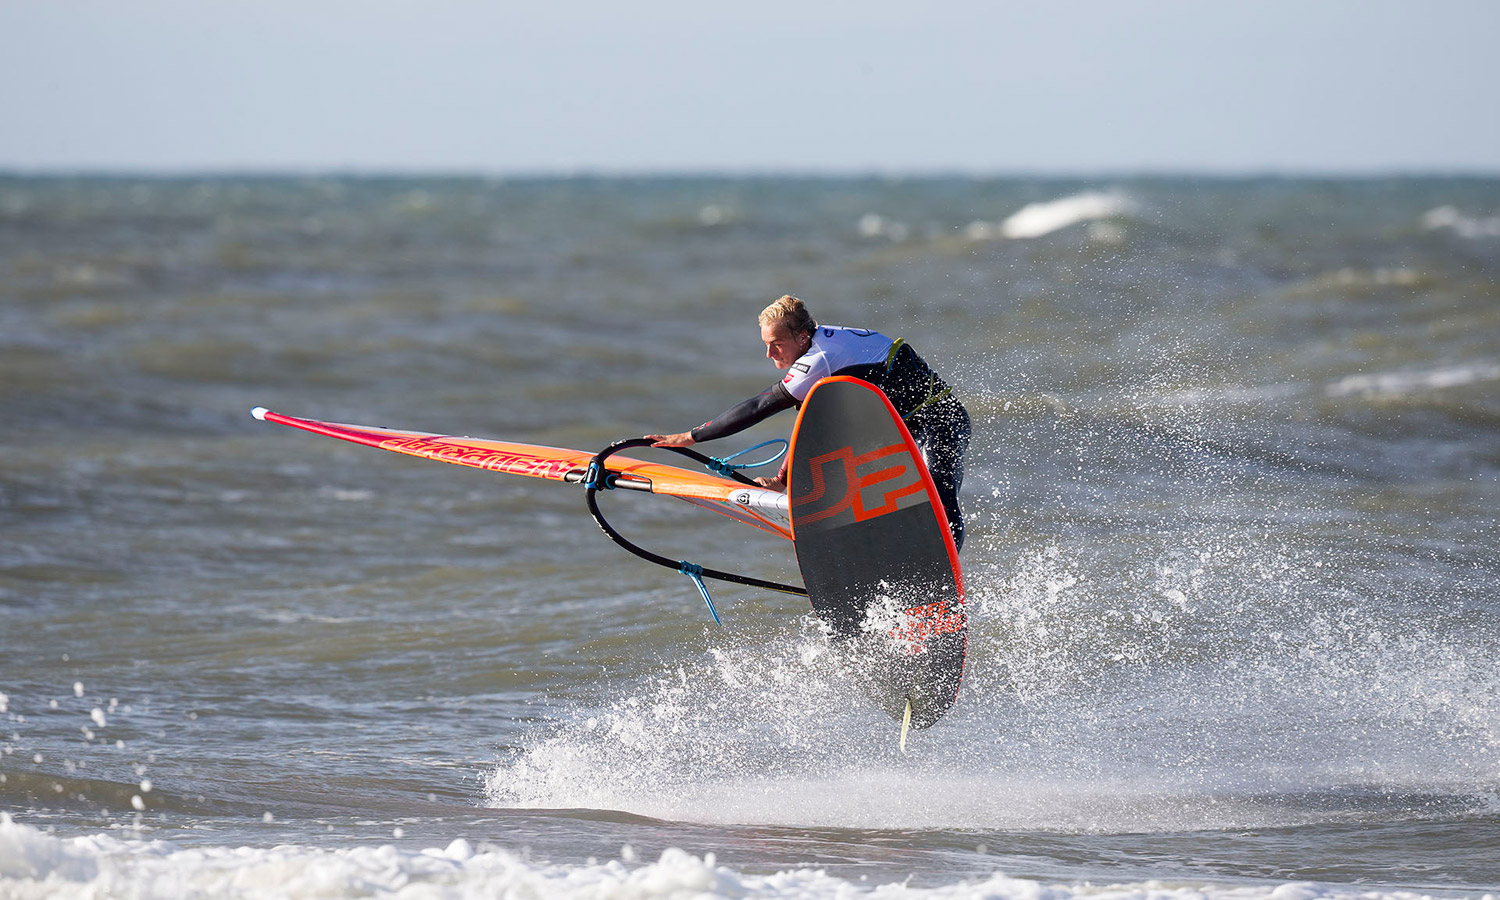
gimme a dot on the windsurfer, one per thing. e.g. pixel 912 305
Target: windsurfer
pixel 808 352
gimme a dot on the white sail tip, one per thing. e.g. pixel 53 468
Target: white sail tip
pixel 259 412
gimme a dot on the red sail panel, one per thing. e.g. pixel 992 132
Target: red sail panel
pixel 764 509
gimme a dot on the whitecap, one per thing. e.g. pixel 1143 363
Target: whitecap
pixel 1398 384
pixel 36 864
pixel 873 225
pixel 1462 225
pixel 1037 219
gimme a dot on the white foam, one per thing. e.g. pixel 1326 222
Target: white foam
pixel 1397 384
pixel 1227 394
pixel 715 214
pixel 1037 219
pixel 36 865
pixel 1462 225
pixel 873 225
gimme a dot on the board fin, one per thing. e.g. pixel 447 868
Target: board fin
pixel 905 724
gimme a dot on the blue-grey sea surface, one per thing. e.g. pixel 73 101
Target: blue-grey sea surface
pixel 1231 563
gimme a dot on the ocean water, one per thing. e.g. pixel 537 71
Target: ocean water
pixel 1232 555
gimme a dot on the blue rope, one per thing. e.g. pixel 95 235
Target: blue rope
pixel 695 572
pixel 723 466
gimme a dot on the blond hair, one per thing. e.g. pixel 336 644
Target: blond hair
pixel 790 313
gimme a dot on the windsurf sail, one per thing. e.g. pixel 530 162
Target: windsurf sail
pixel 766 510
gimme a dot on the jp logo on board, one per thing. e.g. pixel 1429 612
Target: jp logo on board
pixel 865 486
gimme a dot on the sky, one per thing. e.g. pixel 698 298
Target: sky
pixel 773 86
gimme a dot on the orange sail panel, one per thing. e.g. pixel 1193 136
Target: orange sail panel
pixel 764 509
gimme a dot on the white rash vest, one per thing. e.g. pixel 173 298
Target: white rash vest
pixel 834 348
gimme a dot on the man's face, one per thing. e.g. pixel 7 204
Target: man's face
pixel 783 347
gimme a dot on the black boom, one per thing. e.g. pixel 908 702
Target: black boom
pixel 598 478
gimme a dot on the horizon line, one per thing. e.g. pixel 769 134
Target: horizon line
pixel 562 173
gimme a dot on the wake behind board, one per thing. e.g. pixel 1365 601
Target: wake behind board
pixel 875 551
